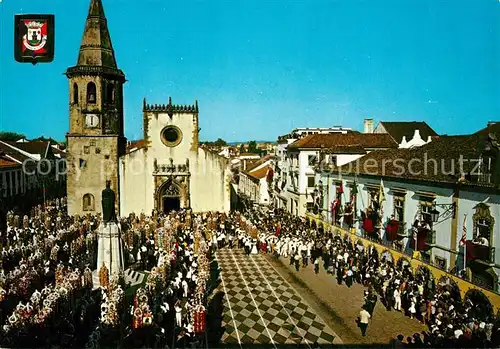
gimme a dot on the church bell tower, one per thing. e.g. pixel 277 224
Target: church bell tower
pixel 95 140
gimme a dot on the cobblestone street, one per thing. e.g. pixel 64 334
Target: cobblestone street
pixel 263 308
pixel 267 302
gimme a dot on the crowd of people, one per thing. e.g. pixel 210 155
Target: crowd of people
pixel 451 320
pixel 52 292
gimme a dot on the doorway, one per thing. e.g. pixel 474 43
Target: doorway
pixel 171 204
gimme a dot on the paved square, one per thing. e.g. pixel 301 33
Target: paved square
pixel 260 307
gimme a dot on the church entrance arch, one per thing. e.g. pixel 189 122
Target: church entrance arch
pixel 169 197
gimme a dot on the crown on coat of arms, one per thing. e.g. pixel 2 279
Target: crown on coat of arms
pixel 34 25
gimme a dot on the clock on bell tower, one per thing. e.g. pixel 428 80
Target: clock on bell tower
pixel 95 140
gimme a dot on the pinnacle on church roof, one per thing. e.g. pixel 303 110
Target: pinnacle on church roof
pixel 170 108
pixel 96 49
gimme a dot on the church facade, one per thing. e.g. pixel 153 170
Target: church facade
pixel 166 170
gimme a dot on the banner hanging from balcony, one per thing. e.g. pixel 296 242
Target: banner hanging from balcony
pixel 368 226
pixel 477 251
pixel 421 239
pixel 392 230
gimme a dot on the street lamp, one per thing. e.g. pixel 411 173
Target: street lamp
pixel 434 215
pixel 450 210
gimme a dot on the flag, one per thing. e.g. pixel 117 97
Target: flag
pixel 334 206
pixel 340 188
pixel 381 195
pixel 354 192
pixel 463 240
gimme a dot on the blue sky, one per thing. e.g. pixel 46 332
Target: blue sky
pixel 259 68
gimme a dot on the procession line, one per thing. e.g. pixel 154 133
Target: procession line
pixel 229 304
pixel 254 302
pixel 276 270
pixel 281 303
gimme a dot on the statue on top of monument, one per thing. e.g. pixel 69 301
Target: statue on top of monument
pixel 108 204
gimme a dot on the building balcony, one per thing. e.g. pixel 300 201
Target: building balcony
pixel 480 253
pixel 402 232
pixel 421 258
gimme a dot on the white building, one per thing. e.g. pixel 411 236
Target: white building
pixel 26 168
pixel 254 184
pixel 426 192
pixel 282 198
pixel 305 155
pixel 169 170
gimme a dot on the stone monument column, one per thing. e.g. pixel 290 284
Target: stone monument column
pixel 109 244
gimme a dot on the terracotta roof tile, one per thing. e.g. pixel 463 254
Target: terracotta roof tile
pixel 32 147
pixel 438 160
pixel 400 129
pixel 345 141
pixel 260 173
pixel 494 127
pixel 7 163
pixel 13 153
pixel 136 145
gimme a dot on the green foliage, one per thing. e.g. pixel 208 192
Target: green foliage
pixel 11 136
pixel 252 147
pixel 242 148
pixel 220 142
pixel 43 139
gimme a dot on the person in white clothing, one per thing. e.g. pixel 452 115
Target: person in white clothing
pixel 178 315
pixel 364 319
pixel 397 300
pixel 185 288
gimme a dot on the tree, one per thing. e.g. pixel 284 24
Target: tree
pixel 11 136
pixel 242 148
pixel 43 139
pixel 252 147
pixel 220 142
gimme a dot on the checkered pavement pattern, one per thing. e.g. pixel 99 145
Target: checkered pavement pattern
pixel 263 306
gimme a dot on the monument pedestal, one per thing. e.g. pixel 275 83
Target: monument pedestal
pixel 110 248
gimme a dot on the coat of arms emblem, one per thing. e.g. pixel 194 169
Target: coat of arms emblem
pixel 34 38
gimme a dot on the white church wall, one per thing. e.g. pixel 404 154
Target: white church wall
pixel 133 183
pixel 209 172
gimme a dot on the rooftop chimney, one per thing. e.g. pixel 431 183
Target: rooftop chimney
pixel 416 135
pixel 404 143
pixel 368 126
